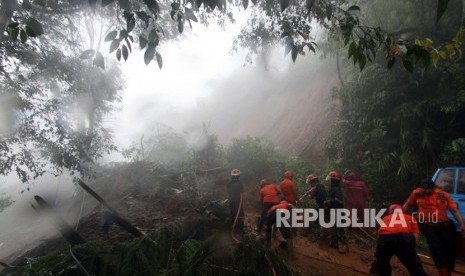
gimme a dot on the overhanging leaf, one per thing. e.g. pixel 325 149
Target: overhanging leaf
pixel 125 52
pixel 110 36
pixel 33 27
pixel 13 33
pixel 131 24
pixel 159 60
pixel 295 51
pixel 181 26
pixel 354 8
pixel 149 54
pixel 118 54
pixel 245 4
pixel 142 42
pixel 114 45
pixel 352 48
pixel 23 36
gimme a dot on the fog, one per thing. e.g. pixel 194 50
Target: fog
pixel 201 83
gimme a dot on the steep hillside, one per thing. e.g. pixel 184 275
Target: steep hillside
pixel 290 106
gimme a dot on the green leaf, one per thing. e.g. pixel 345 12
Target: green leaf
pixel 33 27
pixel 118 54
pixel 353 8
pixel 352 48
pixel 142 42
pixel 107 2
pixel 153 35
pixel 153 6
pixel 442 6
pixel 149 54
pixel 39 3
pixel 23 36
pixel 13 32
pixel 123 34
pixel 129 44
pixel 181 26
pixel 175 6
pixel 125 52
pixel 289 44
pixel 114 45
pixel 245 4
pixel 362 61
pixel 13 25
pixel 295 51
pixel 99 61
pixel 190 15
pixel 87 54
pixel 131 24
pixel 110 36
pixel 159 60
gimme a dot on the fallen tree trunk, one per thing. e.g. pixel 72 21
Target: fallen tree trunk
pixel 115 215
pixel 66 230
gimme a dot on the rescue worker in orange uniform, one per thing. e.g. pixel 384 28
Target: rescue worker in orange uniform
pixel 269 196
pixel 439 230
pixel 285 231
pixel 398 237
pixel 288 188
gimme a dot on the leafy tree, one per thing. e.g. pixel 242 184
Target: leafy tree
pixel 255 157
pixel 152 21
pixel 53 99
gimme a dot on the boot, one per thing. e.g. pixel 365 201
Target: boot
pixel 290 249
pixel 443 271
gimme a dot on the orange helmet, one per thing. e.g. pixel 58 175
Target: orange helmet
pixel 394 207
pixel 263 182
pixel 235 172
pixel 289 174
pixel 334 175
pixel 311 177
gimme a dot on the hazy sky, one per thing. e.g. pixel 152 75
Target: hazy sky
pixel 190 66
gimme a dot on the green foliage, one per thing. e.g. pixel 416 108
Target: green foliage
pixel 52 97
pixel 395 129
pixel 168 251
pixel 255 157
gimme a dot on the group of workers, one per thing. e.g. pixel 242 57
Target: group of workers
pixel 430 202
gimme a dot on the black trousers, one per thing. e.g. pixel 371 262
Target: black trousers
pixel 234 204
pixel 441 239
pixel 266 206
pixel 404 247
pixel 270 221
